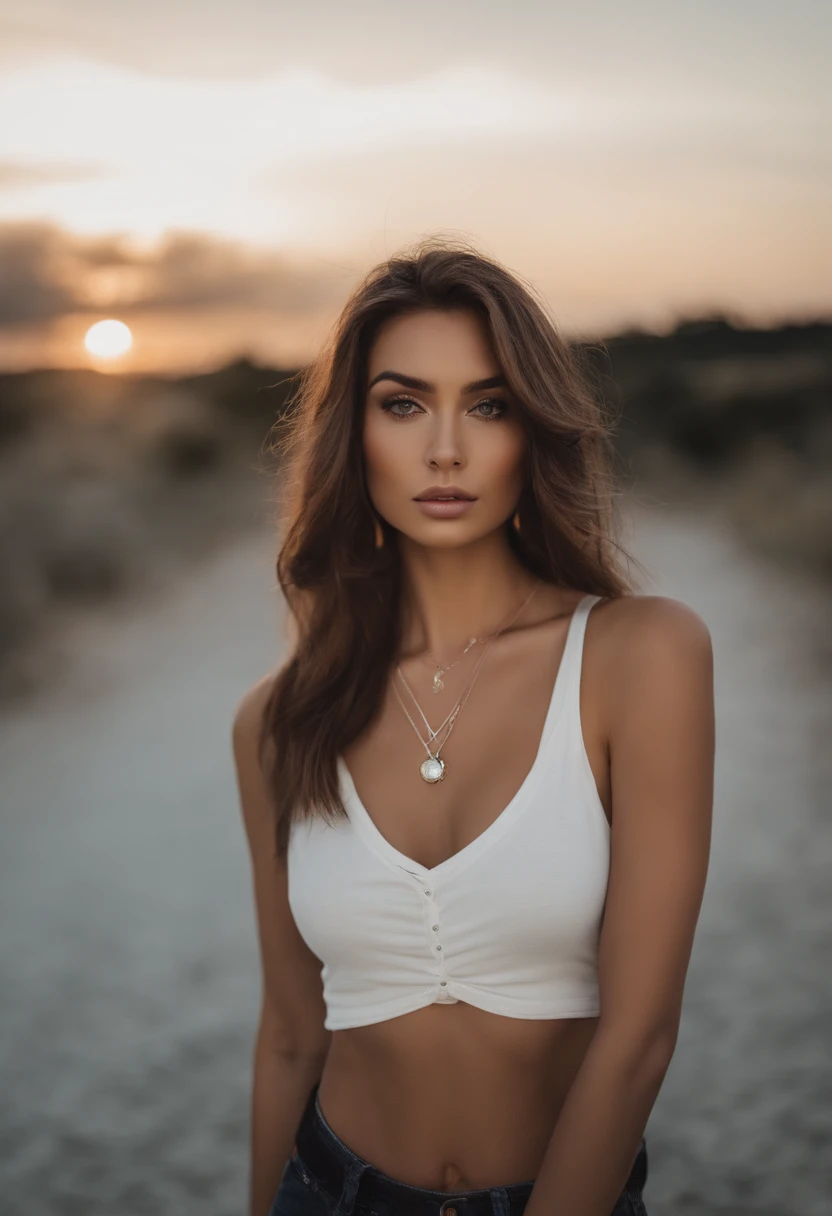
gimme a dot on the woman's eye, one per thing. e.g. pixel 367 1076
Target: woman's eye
pixel 495 408
pixel 389 402
pixel 492 401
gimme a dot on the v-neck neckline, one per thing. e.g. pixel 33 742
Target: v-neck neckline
pixel 366 827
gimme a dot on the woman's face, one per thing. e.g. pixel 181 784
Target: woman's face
pixel 426 426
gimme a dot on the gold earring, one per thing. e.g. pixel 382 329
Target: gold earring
pixel 516 521
pixel 379 535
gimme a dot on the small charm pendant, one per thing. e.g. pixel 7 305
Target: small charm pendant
pixel 437 682
pixel 432 769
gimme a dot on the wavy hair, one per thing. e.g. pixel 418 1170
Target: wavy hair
pixel 343 594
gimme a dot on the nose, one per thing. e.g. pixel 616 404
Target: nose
pixel 444 447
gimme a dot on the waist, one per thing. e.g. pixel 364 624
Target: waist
pixel 450 1061
pixel 326 1164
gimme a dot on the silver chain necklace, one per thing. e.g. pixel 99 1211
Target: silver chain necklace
pixel 441 668
pixel 434 765
pixel 433 768
pixel 457 706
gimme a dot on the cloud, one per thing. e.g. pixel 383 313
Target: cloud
pixel 16 175
pixel 194 271
pixel 30 287
pixel 46 273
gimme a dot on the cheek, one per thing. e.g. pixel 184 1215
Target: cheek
pixel 382 454
pixel 503 462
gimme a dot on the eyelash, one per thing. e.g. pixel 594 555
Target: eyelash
pixel 388 402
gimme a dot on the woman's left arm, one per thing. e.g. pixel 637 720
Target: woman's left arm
pixel 660 733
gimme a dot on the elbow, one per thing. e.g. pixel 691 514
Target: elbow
pixel 302 1056
pixel 301 1061
pixel 658 1052
pixel 642 1050
pixel 305 1049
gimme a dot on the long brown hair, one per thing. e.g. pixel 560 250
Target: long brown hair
pixel 343 594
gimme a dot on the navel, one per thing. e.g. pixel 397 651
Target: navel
pixel 452 1178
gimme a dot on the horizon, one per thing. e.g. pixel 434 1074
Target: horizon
pixel 689 327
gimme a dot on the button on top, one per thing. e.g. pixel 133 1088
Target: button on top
pixel 436 928
pixel 427 892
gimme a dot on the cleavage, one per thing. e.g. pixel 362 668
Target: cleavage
pixel 432 824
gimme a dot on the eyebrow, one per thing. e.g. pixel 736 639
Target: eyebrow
pixel 426 387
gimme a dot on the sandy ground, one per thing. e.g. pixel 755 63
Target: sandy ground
pixel 128 964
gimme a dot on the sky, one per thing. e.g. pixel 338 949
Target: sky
pixel 220 175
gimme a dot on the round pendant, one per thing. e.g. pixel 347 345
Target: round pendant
pixel 432 769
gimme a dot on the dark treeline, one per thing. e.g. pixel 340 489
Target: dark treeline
pixel 706 390
pixel 709 390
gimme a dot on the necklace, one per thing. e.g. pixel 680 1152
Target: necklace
pixel 433 768
pixel 455 708
pixel 441 668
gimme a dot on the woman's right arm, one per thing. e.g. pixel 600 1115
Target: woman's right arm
pixel 291 1043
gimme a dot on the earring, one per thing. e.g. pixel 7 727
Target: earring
pixel 379 535
pixel 516 522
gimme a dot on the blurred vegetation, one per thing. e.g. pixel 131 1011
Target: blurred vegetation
pixel 110 482
pixel 740 418
pixel 710 391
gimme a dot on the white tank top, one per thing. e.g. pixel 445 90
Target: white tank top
pixel 510 923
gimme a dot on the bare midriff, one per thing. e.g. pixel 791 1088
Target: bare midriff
pixel 450 1097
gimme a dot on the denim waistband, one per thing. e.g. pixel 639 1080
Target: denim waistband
pixel 339 1173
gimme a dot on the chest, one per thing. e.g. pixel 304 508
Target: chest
pixel 489 758
pixel 432 823
pixel 534 880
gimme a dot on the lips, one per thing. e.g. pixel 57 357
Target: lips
pixel 444 494
pixel 445 508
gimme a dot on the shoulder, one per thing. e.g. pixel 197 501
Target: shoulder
pixel 246 729
pixel 248 712
pixel 646 642
pixel 252 782
pixel 648 623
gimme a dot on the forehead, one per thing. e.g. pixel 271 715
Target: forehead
pixel 434 345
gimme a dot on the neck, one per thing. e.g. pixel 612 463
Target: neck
pixel 454 594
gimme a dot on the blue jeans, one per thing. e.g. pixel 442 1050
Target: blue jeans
pixel 324 1177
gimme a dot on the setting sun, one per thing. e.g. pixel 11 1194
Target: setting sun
pixel 108 339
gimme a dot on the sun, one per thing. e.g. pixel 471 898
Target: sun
pixel 108 339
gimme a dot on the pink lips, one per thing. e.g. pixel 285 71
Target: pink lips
pixel 444 502
pixel 444 510
pixel 444 492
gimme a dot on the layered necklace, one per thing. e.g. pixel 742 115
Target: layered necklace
pixel 432 769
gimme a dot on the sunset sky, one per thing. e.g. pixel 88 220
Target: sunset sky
pixel 218 175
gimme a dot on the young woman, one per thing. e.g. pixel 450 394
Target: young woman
pixel 477 793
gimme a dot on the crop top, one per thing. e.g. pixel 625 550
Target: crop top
pixel 510 923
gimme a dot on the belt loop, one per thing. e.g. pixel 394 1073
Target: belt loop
pixel 352 1180
pixel 499 1201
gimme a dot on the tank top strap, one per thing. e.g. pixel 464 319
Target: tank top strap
pixel 572 660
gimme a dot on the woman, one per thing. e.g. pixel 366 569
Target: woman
pixel 477 794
